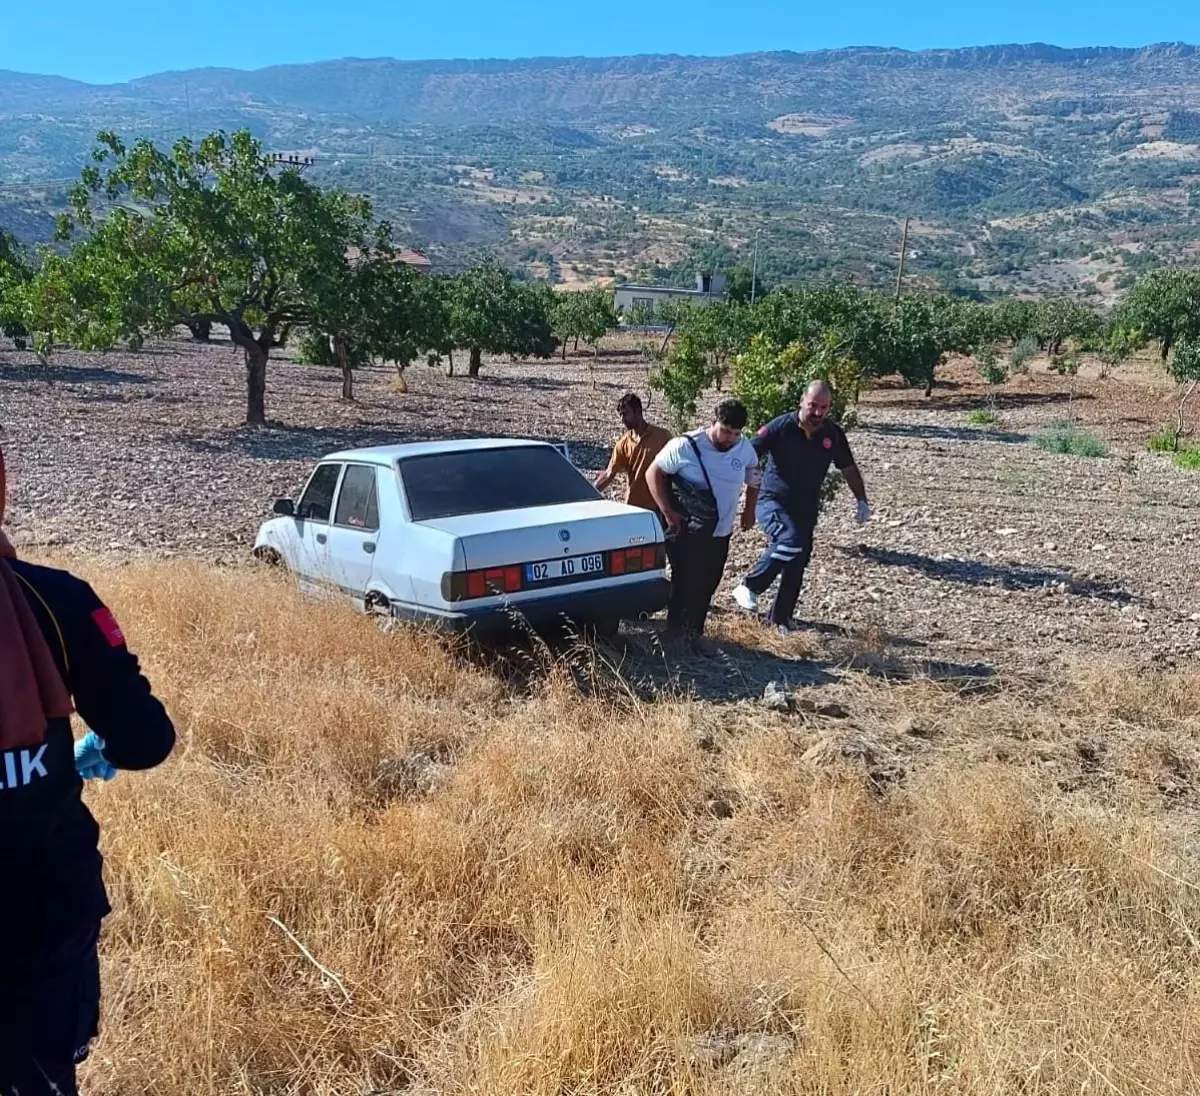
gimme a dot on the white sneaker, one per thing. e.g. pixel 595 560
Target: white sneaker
pixel 746 598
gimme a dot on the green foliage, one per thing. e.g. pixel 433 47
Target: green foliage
pixel 586 315
pixel 1188 459
pixel 1185 365
pixel 15 275
pixel 210 232
pixel 490 311
pixel 1060 320
pixel 741 285
pixel 770 380
pixel 983 416
pixel 1069 439
pixel 683 378
pixel 1163 307
pixel 1024 350
pixel 991 368
pixel 1165 441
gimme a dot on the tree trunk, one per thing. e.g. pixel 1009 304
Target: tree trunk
pixel 1165 349
pixel 401 381
pixel 256 385
pixel 201 330
pixel 576 344
pixel 564 349
pixel 341 354
pixel 476 362
pixel 450 371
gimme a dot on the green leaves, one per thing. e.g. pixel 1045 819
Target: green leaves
pixel 207 233
pixel 1163 306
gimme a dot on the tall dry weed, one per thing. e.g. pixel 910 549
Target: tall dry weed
pixel 374 866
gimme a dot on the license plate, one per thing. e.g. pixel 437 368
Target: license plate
pixel 550 570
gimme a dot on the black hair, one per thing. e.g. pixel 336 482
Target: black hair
pixel 731 413
pixel 629 402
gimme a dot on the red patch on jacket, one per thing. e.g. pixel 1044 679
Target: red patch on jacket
pixel 762 431
pixel 109 628
pixel 828 443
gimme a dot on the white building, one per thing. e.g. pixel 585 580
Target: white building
pixel 630 297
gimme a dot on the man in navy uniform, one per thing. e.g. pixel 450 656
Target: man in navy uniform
pixel 799 447
pixel 58 644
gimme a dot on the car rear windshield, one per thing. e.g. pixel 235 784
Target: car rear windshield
pixel 479 481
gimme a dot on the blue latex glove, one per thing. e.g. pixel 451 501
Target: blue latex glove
pixel 89 761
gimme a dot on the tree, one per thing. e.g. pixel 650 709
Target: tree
pixel 740 285
pixel 490 311
pixel 365 309
pixel 1060 319
pixel 1163 306
pixel 209 233
pixel 586 314
pixel 683 378
pixel 15 275
pixel 1185 368
pixel 480 303
pixel 770 380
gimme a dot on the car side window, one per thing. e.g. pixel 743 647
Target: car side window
pixel 317 500
pixel 358 502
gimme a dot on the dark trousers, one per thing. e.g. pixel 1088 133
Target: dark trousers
pixel 49 1014
pixel 697 563
pixel 786 557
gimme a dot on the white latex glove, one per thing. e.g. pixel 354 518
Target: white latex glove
pixel 863 513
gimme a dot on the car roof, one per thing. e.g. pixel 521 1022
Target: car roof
pixel 389 454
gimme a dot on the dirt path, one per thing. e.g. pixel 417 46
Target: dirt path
pixel 984 547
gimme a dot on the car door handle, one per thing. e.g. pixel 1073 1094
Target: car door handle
pixel 321 538
pixel 369 547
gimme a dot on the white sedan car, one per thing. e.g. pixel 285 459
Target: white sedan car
pixel 467 534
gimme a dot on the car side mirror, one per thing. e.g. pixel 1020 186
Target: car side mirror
pixel 285 508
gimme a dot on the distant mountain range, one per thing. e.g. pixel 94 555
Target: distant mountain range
pixel 1014 159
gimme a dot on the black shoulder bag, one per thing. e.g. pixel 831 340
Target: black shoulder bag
pixel 698 505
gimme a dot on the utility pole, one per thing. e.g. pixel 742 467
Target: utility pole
pixel 903 252
pixel 754 269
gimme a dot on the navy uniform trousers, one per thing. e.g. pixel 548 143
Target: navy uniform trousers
pixel 786 557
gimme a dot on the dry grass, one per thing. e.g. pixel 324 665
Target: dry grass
pixel 372 866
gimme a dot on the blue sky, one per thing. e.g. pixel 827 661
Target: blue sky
pixel 116 40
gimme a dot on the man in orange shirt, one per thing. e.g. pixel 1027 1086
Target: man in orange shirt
pixel 634 453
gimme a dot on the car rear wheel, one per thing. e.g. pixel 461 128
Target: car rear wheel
pixel 268 556
pixel 377 605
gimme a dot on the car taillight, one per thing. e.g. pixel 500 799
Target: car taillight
pixel 627 561
pixel 486 582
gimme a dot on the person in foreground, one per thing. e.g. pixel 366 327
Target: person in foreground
pixel 634 453
pixel 57 642
pixel 799 446
pixel 710 467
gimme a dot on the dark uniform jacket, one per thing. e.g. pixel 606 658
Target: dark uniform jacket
pixel 51 887
pixel 797 464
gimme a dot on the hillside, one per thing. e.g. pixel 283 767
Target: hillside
pixel 1026 167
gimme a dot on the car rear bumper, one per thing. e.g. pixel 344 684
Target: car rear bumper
pixel 625 602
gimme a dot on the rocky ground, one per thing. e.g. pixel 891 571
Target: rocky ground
pixel 985 550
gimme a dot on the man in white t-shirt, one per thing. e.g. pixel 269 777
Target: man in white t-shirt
pixel 719 460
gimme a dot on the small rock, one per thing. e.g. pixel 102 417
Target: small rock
pixel 1007 532
pixel 832 711
pixel 775 699
pixel 718 808
pixel 704 741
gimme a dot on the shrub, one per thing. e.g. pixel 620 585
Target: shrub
pixel 1067 438
pixel 1188 459
pixel 1165 441
pixel 985 416
pixel 1023 351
